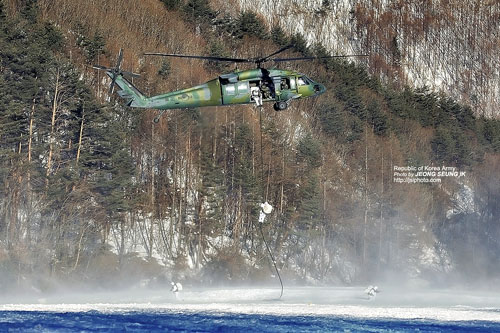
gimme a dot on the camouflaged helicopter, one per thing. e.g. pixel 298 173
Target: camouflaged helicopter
pixel 257 85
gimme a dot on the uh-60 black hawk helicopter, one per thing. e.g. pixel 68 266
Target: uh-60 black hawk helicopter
pixel 255 85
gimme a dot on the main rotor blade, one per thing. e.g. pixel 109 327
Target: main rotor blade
pixel 112 70
pixel 200 57
pixel 129 74
pixel 102 68
pixel 312 58
pixel 273 54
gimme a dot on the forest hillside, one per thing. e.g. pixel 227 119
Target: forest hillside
pixel 95 193
pixel 448 46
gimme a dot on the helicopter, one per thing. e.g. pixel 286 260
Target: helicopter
pixel 257 85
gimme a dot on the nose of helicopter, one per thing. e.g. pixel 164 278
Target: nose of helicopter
pixel 319 89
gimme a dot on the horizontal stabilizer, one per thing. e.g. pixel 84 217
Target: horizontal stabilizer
pixel 127 90
pixel 125 94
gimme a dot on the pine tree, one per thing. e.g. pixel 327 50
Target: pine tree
pixel 378 119
pixel 172 4
pixel 491 133
pixel 279 37
pixel 217 49
pixel 244 179
pixel 198 12
pixel 300 45
pixel 213 192
pixel 165 69
pixel 107 160
pixel 309 151
pixel 250 24
pixel 443 145
pixel 332 120
pixel 310 205
pixel 3 19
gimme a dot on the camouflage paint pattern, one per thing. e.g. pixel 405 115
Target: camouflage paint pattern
pixel 207 94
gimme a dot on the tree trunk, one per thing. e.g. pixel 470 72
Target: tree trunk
pixel 52 126
pixel 80 137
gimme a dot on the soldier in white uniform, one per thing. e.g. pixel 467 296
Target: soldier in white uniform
pixel 176 287
pixel 266 209
pixel 372 291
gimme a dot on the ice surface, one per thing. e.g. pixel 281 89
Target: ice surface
pixel 440 305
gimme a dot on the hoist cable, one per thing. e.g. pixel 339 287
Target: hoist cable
pixel 272 258
pixel 260 224
pixel 261 152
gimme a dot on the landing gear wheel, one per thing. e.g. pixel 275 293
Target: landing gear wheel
pixel 157 118
pixel 280 106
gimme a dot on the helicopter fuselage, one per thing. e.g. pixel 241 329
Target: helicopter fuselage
pixel 243 87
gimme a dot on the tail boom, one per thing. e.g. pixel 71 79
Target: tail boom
pixel 129 92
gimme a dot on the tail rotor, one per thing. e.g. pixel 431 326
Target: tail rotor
pixel 114 72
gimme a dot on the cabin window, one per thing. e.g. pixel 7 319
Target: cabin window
pixel 292 82
pixel 242 88
pixel 230 89
pixel 285 84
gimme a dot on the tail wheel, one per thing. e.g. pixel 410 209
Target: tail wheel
pixel 280 106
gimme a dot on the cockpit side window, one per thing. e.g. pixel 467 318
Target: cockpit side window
pixel 302 81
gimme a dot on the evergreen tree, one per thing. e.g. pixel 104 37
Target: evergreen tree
pixel 3 19
pixel 356 129
pixel 51 37
pixel 332 120
pixel 217 49
pixel 310 205
pixel 442 144
pixel 95 47
pixel 29 11
pixel 198 12
pixel 92 46
pixel 491 133
pixel 427 106
pixel 353 102
pixel 172 4
pixel 211 188
pixel 107 160
pixel 300 45
pixel 462 152
pixel 278 36
pixel 378 119
pixel 251 25
pixel 243 176
pixel 309 151
pixel 165 69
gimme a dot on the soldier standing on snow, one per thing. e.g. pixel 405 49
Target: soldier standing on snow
pixel 176 287
pixel 372 291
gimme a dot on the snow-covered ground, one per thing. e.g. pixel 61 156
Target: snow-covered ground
pixel 441 305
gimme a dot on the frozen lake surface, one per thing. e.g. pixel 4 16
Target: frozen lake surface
pixel 255 309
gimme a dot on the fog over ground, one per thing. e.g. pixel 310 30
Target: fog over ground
pixel 391 302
